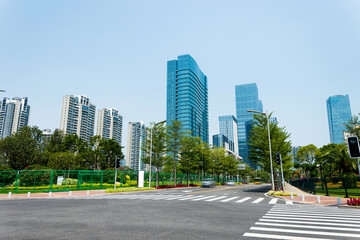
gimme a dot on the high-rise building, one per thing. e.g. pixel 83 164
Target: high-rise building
pixel 78 116
pixel 219 140
pixel 246 96
pixel 109 124
pixel 135 141
pixel 339 113
pixel 14 114
pixel 187 96
pixel 228 128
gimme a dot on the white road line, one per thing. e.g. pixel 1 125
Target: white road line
pixel 310 214
pixel 310 219
pixel 190 197
pixel 273 201
pixel 310 222
pixel 257 200
pixel 243 200
pixel 198 199
pixel 213 199
pixel 289 202
pixel 174 197
pixel 321 217
pixel 229 199
pixel 305 226
pixel 305 232
pixel 263 236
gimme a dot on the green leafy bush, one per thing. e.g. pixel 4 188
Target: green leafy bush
pixel 280 193
pixel 128 189
pixel 70 181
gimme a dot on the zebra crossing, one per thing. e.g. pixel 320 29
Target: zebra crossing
pixel 182 197
pixel 306 222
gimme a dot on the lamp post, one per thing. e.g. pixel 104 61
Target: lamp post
pixel 151 149
pixel 271 166
pixel 323 179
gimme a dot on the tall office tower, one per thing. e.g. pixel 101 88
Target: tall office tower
pixel 135 141
pixel 78 116
pixel 339 113
pixel 294 152
pixel 187 96
pixel 14 114
pixel 246 96
pixel 228 128
pixel 109 124
pixel 219 140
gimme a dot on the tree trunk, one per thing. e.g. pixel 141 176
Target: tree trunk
pixel 175 168
pixel 157 177
pixel 188 173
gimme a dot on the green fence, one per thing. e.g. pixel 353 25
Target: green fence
pixel 335 186
pixel 70 180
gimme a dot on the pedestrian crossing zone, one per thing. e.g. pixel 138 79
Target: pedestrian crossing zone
pixel 191 198
pixel 306 222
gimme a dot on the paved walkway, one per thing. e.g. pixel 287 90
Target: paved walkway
pixel 52 194
pixel 305 197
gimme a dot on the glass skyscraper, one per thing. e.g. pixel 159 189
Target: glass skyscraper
pixel 228 128
pixel 246 97
pixel 187 96
pixel 339 113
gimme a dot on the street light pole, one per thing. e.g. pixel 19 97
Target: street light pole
pixel 271 165
pixel 151 149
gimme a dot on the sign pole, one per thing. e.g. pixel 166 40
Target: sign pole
pixel 115 175
pixel 282 174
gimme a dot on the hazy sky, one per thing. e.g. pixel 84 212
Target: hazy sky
pixel 298 52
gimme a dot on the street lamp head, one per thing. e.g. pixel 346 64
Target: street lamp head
pixel 256 112
pixel 2 91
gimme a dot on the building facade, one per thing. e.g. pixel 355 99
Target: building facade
pixel 228 128
pixel 14 114
pixel 187 96
pixel 109 124
pixel 78 116
pixel 246 97
pixel 339 113
pixel 135 141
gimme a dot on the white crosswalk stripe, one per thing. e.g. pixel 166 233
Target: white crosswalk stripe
pixel 297 222
pixel 243 200
pixel 229 199
pixel 257 200
pixel 273 201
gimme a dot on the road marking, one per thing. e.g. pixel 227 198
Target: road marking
pixel 305 226
pixel 257 200
pixel 305 232
pixel 310 219
pixel 213 199
pixel 320 217
pixel 243 200
pixel 273 201
pixel 263 236
pixel 310 222
pixel 187 197
pixel 289 202
pixel 198 199
pixel 229 199
pixel 309 214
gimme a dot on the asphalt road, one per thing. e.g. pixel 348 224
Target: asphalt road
pixel 198 213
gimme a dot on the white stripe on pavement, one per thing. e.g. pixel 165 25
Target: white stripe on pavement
pixel 289 202
pixel 198 199
pixel 263 236
pixel 273 201
pixel 305 226
pixel 309 214
pixel 217 198
pixel 310 222
pixel 190 197
pixel 321 217
pixel 229 199
pixel 243 200
pixel 257 200
pixel 305 232
pixel 310 219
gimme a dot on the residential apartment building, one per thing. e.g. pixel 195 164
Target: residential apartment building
pixel 187 96
pixel 135 141
pixel 78 116
pixel 109 124
pixel 339 113
pixel 14 114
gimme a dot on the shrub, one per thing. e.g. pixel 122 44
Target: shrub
pixel 280 193
pixel 353 202
pixel 128 189
pixel 7 176
pixel 69 181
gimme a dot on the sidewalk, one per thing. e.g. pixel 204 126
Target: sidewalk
pixel 53 194
pixel 311 198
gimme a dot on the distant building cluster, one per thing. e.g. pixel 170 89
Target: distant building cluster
pixel 187 102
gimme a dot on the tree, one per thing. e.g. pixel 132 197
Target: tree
pixel 62 160
pixel 306 157
pixel 158 148
pixel 190 154
pixel 353 125
pixel 259 144
pixel 174 137
pixel 22 148
pixel 217 160
pixel 110 150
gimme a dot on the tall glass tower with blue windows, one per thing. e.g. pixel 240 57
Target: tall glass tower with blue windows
pixel 187 96
pixel 228 128
pixel 339 113
pixel 246 97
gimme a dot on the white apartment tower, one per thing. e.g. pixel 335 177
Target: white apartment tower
pixel 78 116
pixel 109 124
pixel 135 141
pixel 14 114
pixel 229 128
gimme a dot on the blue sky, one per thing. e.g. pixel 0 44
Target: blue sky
pixel 298 52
